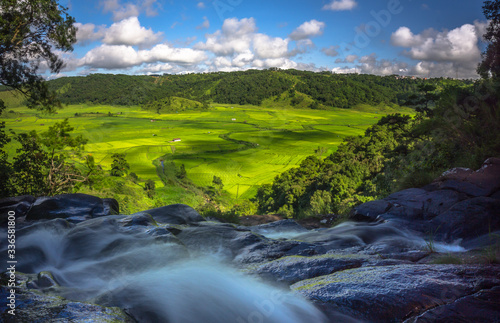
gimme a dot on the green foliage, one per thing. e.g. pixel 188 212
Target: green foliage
pixel 490 66
pixel 217 183
pixel 299 89
pixel 120 166
pixel 46 164
pixel 30 33
pixel 345 178
pixel 149 187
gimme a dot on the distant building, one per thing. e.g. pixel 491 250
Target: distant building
pixel 233 119
pixel 176 139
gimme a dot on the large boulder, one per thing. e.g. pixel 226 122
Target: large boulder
pixel 394 293
pixel 409 204
pixel 33 306
pixel 175 214
pixel 483 182
pixel 19 206
pixel 468 219
pixel 473 308
pixel 75 207
pixel 292 269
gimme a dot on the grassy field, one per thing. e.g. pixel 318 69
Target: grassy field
pixel 245 146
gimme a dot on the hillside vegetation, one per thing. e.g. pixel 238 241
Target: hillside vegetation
pixel 321 90
pixel 228 148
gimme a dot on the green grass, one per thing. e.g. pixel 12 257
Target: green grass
pixel 245 153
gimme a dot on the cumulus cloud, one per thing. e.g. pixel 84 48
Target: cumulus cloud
pixel 86 33
pixel 123 56
pixel 459 44
pixel 130 32
pixel 341 5
pixel 156 68
pixel 452 52
pixel 234 37
pixel 370 64
pixel 270 47
pixel 308 29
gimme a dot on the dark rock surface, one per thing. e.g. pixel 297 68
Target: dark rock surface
pixel 33 306
pixel 175 214
pixel 460 205
pixel 75 207
pixel 384 267
pixel 474 308
pixel 394 293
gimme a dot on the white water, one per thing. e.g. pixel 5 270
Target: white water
pixel 156 281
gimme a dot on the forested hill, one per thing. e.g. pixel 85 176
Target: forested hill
pixel 297 88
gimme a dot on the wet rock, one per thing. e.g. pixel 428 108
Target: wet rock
pixel 380 237
pixel 273 249
pixel 468 219
pixel 411 204
pixel 220 239
pixel 32 306
pixel 138 219
pixel 393 293
pixel 369 211
pixel 20 205
pixel 43 280
pixel 279 229
pixel 296 268
pixel 478 307
pixel 111 206
pixel 175 214
pixel 67 206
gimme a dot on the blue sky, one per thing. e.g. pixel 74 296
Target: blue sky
pixel 409 37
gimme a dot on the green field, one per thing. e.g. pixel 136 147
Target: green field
pixel 245 146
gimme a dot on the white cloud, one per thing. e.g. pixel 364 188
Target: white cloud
pixel 122 56
pixel 111 57
pixel 166 53
pixel 269 47
pixel 340 5
pixel 308 29
pixel 86 33
pixel 156 68
pixel 459 44
pixel 234 28
pixel 205 24
pixel 453 53
pixel 201 5
pixel 234 37
pixel 283 63
pixel 243 59
pixel 130 32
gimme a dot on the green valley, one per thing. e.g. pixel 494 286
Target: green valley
pixel 245 146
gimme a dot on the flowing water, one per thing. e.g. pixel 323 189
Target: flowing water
pixel 145 270
pixel 153 278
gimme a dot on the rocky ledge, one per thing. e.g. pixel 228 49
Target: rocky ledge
pixel 419 255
